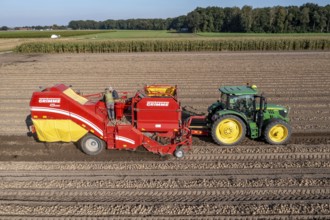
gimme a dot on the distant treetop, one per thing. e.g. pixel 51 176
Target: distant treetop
pixel 291 19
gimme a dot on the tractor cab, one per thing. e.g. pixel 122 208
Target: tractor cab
pixel 239 98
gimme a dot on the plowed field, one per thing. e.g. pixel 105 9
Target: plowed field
pixel 250 181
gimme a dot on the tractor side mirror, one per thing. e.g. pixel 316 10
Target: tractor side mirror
pixel 264 100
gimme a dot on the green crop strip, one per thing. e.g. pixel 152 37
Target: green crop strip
pixel 177 45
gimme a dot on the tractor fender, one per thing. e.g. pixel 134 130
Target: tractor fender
pixel 228 112
pixel 232 112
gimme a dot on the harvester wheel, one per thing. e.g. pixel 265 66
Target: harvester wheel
pixel 277 132
pixel 91 145
pixel 179 153
pixel 228 130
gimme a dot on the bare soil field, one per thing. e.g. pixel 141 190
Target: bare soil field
pixel 250 181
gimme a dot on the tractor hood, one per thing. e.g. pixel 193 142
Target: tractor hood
pixel 280 111
pixel 275 107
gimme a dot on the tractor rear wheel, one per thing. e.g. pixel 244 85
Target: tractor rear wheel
pixel 277 132
pixel 228 130
pixel 91 145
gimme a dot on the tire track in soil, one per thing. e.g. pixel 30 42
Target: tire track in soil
pixel 158 199
pixel 234 173
pixel 167 181
pixel 174 211
pixel 164 195
pixel 135 202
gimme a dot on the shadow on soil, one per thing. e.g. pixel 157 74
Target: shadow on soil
pixel 24 148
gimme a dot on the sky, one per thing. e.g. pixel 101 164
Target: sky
pixel 16 13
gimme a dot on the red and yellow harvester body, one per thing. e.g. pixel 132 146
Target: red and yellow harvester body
pixel 151 119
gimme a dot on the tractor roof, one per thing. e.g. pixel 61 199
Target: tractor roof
pixel 239 90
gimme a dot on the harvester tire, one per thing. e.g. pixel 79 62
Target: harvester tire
pixel 277 132
pixel 91 145
pixel 228 130
pixel 179 153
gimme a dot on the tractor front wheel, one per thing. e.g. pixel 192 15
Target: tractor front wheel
pixel 277 132
pixel 91 145
pixel 228 130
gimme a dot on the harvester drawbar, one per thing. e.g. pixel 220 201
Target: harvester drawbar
pixel 153 119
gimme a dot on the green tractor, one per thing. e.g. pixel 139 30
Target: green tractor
pixel 241 112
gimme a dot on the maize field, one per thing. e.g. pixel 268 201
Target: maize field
pixel 177 45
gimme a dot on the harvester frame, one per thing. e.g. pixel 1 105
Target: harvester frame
pixel 154 120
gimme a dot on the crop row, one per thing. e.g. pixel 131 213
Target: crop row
pixel 273 44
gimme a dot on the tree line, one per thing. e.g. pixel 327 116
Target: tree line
pixel 38 27
pixel 278 19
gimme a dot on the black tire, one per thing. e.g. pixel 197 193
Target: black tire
pixel 277 132
pixel 228 130
pixel 179 153
pixel 91 145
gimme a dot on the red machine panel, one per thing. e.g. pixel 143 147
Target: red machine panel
pixel 60 102
pixel 127 137
pixel 161 114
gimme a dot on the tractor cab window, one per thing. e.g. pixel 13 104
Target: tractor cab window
pixel 224 98
pixel 242 103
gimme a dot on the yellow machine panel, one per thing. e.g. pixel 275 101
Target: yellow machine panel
pixel 58 130
pixel 160 90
